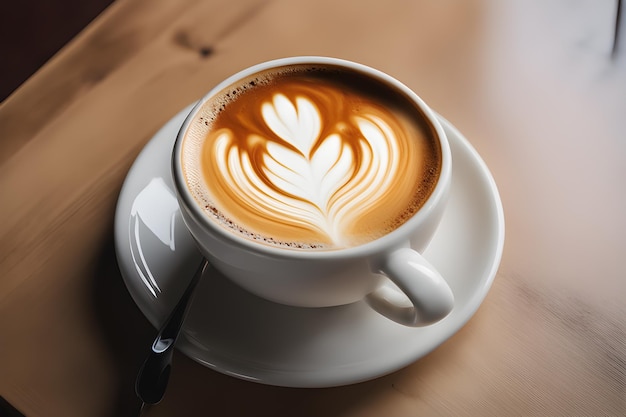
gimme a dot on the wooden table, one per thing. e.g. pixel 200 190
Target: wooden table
pixel 531 84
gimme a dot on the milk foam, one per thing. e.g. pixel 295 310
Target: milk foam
pixel 297 166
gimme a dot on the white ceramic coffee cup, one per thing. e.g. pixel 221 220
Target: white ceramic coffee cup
pixel 329 278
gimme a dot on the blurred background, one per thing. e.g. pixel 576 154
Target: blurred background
pixel 32 31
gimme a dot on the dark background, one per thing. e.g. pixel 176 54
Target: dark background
pixel 32 31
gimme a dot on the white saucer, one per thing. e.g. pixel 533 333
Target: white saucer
pixel 239 334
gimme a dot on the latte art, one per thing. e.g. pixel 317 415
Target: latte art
pixel 303 162
pixel 302 179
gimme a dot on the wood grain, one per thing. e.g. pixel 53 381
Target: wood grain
pixel 531 84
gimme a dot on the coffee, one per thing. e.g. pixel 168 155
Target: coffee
pixel 310 157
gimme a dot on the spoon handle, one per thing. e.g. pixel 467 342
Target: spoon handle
pixel 154 373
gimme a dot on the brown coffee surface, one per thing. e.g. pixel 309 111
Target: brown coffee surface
pixel 308 157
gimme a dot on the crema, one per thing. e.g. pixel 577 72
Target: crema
pixel 310 157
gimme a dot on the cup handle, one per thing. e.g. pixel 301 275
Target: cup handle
pixel 428 292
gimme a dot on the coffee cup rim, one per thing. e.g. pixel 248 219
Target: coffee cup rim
pixel 389 241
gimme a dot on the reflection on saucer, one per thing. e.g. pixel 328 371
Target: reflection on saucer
pixel 159 219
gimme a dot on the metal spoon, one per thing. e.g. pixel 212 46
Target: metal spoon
pixel 154 374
